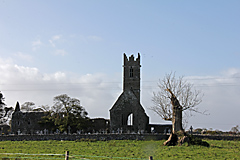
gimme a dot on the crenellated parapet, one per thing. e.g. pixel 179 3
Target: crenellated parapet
pixel 131 60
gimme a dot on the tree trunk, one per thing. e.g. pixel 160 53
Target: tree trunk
pixel 177 119
pixel 172 140
pixel 176 126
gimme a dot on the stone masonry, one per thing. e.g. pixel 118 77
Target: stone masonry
pixel 127 114
pixel 27 122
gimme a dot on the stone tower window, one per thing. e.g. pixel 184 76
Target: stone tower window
pixel 131 72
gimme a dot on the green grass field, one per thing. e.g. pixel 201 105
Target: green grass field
pixel 117 149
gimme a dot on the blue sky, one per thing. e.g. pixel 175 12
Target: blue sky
pixel 76 47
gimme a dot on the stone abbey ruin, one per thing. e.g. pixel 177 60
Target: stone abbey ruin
pixel 127 115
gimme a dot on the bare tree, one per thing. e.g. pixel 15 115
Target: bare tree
pixel 176 97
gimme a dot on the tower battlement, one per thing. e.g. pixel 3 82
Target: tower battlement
pixel 131 60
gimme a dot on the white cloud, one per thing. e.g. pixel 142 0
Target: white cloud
pixel 88 39
pixel 56 37
pixel 22 56
pixel 232 72
pixel 94 38
pixel 53 40
pixel 36 45
pixel 60 52
pixel 12 73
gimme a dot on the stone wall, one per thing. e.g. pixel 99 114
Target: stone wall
pixel 106 137
pixel 83 136
pixel 219 137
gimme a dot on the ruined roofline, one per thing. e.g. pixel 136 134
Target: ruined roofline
pixel 33 111
pixel 131 58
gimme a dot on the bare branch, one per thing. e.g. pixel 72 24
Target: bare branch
pixel 188 97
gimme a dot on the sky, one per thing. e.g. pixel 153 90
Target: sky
pixel 48 48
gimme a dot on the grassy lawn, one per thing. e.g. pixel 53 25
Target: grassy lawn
pixel 121 149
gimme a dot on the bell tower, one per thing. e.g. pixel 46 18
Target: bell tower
pixel 131 75
pixel 127 113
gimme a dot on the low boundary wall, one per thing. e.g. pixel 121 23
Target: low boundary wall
pixel 104 137
pixel 219 137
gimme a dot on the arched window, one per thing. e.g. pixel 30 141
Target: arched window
pixel 130 120
pixel 131 72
